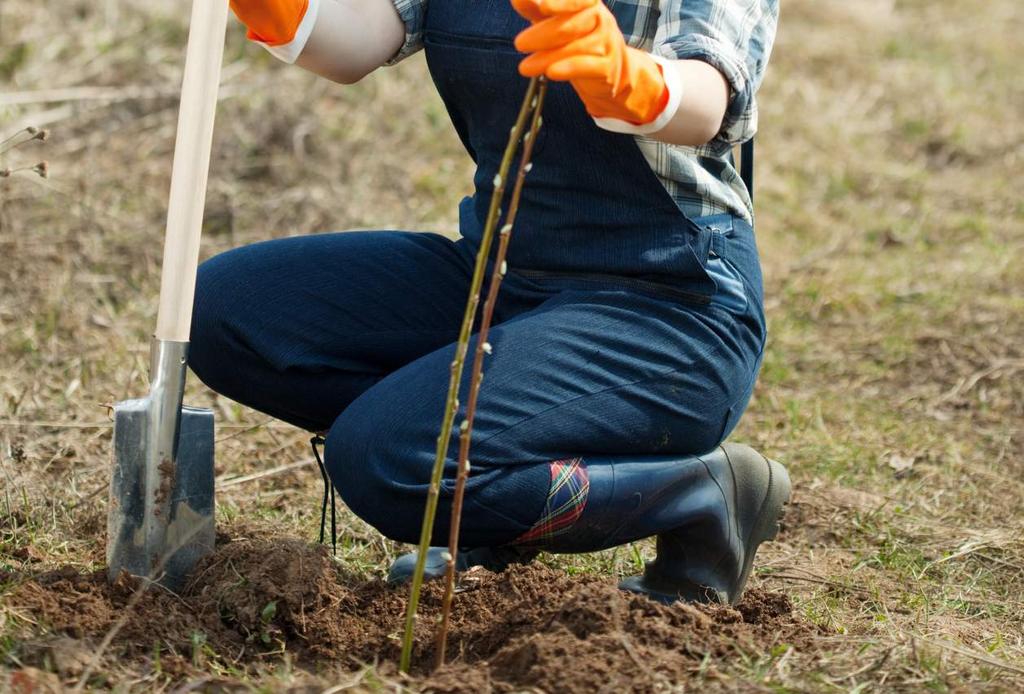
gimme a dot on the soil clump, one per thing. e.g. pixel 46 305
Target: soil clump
pixel 259 598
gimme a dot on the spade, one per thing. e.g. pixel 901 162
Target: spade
pixel 160 520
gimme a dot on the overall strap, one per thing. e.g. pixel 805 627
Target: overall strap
pixel 747 167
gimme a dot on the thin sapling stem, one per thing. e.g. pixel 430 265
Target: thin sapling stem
pixel 483 349
pixel 457 367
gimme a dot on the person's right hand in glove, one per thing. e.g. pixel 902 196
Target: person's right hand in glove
pixel 282 26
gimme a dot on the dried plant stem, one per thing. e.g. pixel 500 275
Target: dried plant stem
pixel 457 367
pixel 33 134
pixel 483 349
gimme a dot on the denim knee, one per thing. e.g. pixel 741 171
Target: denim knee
pixel 364 467
pixel 207 353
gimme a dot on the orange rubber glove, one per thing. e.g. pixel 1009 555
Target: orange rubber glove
pixel 273 22
pixel 579 41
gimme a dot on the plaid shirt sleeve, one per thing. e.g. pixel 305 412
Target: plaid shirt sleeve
pixel 412 13
pixel 735 36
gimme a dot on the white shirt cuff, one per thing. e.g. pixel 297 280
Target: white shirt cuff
pixel 674 84
pixel 290 52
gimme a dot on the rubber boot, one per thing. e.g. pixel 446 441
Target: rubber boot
pixel 495 559
pixel 710 513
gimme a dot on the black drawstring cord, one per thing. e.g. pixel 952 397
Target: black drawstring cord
pixel 328 493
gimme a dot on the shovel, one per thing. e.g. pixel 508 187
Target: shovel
pixel 160 521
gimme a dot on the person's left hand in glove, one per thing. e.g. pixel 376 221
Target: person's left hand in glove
pixel 623 88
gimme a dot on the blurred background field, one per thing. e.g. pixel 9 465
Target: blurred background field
pixel 891 224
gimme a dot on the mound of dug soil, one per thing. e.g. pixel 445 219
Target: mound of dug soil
pixel 530 627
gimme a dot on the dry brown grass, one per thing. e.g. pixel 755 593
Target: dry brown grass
pixel 891 225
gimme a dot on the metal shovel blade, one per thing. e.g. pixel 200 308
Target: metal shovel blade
pixel 161 517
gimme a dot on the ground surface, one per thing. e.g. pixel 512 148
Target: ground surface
pixel 892 228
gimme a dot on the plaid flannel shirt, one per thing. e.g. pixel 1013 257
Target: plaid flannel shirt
pixel 735 36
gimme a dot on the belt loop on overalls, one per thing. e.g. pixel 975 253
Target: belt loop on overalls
pixel 719 232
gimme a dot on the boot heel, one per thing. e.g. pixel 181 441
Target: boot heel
pixel 763 491
pixel 776 503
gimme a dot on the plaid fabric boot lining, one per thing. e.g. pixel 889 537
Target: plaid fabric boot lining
pixel 567 498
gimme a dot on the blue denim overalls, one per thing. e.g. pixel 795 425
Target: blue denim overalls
pixel 592 205
pixel 625 331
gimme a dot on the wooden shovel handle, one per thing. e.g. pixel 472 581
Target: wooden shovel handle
pixel 191 168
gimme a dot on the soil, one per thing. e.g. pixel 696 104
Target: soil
pixel 527 628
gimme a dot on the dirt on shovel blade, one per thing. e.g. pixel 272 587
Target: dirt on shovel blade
pixel 264 601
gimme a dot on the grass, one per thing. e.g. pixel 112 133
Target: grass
pixel 891 228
